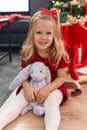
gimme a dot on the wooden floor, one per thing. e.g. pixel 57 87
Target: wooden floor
pixel 73 115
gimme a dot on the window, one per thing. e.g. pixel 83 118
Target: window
pixel 14 5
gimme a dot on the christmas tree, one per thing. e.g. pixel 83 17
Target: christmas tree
pixel 73 7
pixel 62 5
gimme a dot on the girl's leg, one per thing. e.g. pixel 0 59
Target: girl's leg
pixel 12 110
pixel 52 112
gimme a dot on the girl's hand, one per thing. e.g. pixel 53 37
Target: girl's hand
pixel 29 92
pixel 42 94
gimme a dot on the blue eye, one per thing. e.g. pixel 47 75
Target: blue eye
pixel 49 33
pixel 38 32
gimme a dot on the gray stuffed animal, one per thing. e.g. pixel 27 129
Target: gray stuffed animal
pixel 40 76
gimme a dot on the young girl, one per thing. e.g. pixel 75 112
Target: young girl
pixel 43 43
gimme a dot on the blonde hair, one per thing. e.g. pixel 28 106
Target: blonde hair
pixel 56 49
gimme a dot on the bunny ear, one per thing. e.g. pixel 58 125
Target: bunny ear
pixel 23 75
pixel 48 77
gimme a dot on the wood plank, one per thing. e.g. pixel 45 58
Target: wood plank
pixel 73 115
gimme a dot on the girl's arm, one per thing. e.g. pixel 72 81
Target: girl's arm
pixel 66 57
pixel 29 92
pixel 60 79
pixel 44 92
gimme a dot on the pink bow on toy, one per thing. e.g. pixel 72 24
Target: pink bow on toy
pixel 52 12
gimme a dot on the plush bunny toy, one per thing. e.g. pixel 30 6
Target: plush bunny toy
pixel 40 76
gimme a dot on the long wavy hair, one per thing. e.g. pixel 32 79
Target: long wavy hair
pixel 56 49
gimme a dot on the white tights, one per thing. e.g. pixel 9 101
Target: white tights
pixel 52 113
pixel 12 111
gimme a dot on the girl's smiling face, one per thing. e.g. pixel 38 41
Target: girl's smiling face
pixel 43 34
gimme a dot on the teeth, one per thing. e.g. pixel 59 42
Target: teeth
pixel 43 42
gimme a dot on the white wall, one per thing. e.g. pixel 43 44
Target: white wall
pixel 14 5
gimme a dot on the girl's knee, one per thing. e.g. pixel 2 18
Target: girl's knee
pixel 55 97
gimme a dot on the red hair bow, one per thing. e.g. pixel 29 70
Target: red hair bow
pixel 52 12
